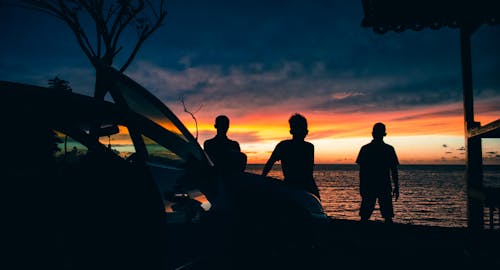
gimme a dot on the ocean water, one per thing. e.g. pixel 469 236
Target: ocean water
pixel 429 194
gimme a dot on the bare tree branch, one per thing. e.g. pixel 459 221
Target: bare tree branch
pixel 123 24
pixel 144 35
pixel 93 10
pixel 111 18
pixel 111 11
pixel 44 10
pixel 134 52
pixel 190 113
pixel 199 109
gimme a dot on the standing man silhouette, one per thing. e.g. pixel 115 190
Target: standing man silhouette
pixel 224 152
pixel 377 163
pixel 297 157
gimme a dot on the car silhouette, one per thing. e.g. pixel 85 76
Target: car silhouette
pixel 121 183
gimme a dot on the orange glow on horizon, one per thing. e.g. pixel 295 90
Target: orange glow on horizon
pixel 418 135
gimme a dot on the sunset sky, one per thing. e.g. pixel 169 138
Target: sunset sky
pixel 258 62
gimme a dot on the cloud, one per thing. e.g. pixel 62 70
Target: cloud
pixel 439 112
pixel 290 84
pixel 314 135
pixel 241 137
pixel 492 159
pixel 344 95
pixel 246 137
pixel 488 104
pixel 185 61
pixel 243 87
pixel 400 92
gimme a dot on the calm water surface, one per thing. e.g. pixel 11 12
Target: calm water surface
pixel 429 194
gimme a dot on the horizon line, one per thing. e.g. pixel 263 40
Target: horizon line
pixel 404 164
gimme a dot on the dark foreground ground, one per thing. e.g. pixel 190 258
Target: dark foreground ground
pixel 340 244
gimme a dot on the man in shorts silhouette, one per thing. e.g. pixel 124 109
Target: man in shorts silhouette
pixel 378 163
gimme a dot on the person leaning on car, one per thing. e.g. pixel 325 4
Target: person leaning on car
pixel 224 152
pixel 297 157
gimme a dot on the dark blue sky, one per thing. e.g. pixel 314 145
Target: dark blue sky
pixel 261 36
pixel 237 56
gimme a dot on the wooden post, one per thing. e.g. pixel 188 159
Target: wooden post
pixel 492 217
pixel 474 161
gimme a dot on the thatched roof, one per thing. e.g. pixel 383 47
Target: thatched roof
pixel 399 15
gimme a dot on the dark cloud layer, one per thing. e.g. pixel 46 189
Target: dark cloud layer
pixel 313 55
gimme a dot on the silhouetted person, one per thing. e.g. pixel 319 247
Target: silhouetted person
pixel 377 163
pixel 297 157
pixel 224 152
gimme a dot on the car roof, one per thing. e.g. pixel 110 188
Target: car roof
pixel 52 105
pixel 25 104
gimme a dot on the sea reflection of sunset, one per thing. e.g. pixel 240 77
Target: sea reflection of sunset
pixel 430 194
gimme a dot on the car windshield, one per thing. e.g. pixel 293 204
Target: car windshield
pixel 180 141
pixel 142 105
